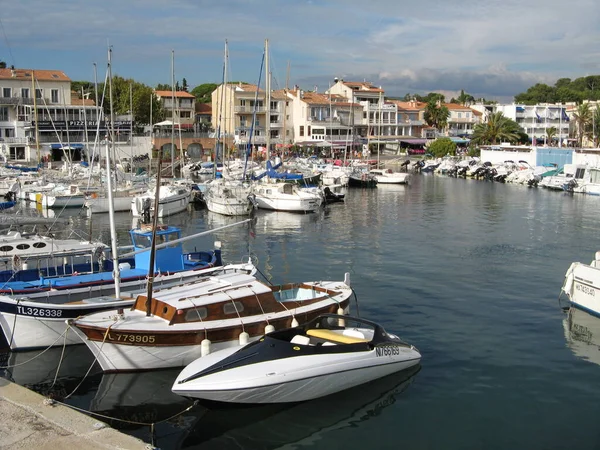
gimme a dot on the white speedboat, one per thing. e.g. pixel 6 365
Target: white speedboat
pixel 327 355
pixel 287 197
pixel 171 200
pixel 582 285
pixel 387 176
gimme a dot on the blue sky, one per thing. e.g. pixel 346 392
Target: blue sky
pixel 489 48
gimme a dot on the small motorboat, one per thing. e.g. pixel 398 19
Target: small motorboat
pixel 326 355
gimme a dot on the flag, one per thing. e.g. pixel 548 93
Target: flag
pixel 565 117
pixel 538 117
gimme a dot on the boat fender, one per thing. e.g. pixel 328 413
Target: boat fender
pixel 244 338
pixel 294 322
pixel 341 322
pixel 269 329
pixel 204 347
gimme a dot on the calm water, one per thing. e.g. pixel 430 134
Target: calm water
pixel 469 272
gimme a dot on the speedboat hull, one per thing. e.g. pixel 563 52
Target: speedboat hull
pixel 327 355
pixel 297 381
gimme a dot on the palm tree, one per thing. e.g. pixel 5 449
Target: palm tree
pixel 596 126
pixel 583 117
pixel 436 115
pixel 497 128
pixel 550 134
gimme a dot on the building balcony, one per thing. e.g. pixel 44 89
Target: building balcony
pixel 462 120
pixel 16 140
pixel 249 109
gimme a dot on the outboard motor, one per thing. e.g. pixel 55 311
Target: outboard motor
pixel 146 210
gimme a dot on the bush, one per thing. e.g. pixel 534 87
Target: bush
pixel 442 147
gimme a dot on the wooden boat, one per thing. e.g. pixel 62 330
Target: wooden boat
pixel 180 324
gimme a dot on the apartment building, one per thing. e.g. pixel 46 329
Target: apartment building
pixel 462 120
pixel 537 119
pixel 41 118
pixel 179 106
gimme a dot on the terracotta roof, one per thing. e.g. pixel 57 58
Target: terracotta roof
pixel 182 94
pixel 203 108
pixel 411 106
pixel 245 87
pixel 362 86
pixel 78 101
pixel 40 75
pixel 279 94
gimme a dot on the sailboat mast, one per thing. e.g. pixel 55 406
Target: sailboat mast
pixel 172 116
pixel 153 242
pixel 35 113
pixel 111 209
pixel 267 101
pixel 131 126
pixel 85 129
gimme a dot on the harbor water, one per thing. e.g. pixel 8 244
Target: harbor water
pixel 467 271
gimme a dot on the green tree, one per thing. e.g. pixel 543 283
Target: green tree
pixel 596 126
pixel 436 115
pixel 442 147
pixel 550 135
pixel 2 65
pixel 583 118
pixel 184 85
pixel 497 128
pixel 143 97
pixel 203 92
pixel 163 87
pixel 464 98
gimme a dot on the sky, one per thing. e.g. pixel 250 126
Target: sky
pixel 492 49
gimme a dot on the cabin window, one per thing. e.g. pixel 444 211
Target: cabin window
pixel 141 240
pixel 579 173
pixel 233 308
pixel 6 248
pixel 23 246
pixel 196 314
pixel 39 244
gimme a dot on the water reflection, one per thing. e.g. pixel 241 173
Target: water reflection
pixel 582 332
pixel 271 426
pixel 56 372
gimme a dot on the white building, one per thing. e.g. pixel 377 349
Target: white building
pixel 40 117
pixel 537 119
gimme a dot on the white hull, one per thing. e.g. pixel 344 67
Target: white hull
pixel 582 286
pixel 228 206
pixel 394 178
pixel 290 205
pixel 60 201
pixel 302 390
pixel 123 358
pixel 28 325
pixel 102 204
pixel 167 206
pixel 294 379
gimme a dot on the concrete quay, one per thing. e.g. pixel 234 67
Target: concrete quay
pixel 28 420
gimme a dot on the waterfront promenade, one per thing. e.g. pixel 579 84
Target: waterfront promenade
pixel 29 420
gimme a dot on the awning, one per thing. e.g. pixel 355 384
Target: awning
pixel 66 147
pixel 414 141
pixel 457 140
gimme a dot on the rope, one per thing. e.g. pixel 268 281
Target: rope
pixel 356 301
pixel 133 422
pixel 95 359
pixel 39 354
pixel 62 354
